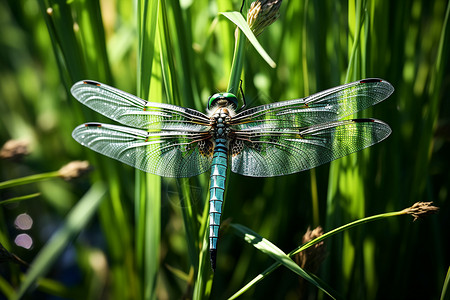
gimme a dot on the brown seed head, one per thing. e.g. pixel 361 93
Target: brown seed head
pixel 14 149
pixel 262 13
pixel 311 258
pixel 421 209
pixel 74 169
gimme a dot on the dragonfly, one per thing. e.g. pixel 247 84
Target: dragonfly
pixel 275 139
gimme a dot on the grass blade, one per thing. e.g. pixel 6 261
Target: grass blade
pixel 76 221
pixel 445 295
pixel 20 198
pixel 237 18
pixel 148 186
pixel 28 179
pixel 266 246
pixel 277 254
pixel 203 284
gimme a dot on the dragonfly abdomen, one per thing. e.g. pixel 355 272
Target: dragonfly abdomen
pixel 216 191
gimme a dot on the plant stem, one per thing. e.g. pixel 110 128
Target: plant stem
pixel 21 198
pixel 28 179
pixel 238 63
pixel 275 265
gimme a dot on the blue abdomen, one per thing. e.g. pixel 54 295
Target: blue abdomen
pixel 216 191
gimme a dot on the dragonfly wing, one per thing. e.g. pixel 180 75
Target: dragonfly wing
pixel 164 153
pixel 282 151
pixel 136 112
pixel 326 106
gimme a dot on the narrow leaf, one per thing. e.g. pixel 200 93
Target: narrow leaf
pixel 445 295
pixel 276 253
pixel 20 198
pixel 76 221
pixel 237 18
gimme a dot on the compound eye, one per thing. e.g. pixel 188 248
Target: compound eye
pixel 229 97
pixel 213 100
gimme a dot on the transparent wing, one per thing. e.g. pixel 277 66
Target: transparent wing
pixel 136 112
pixel 326 106
pixel 282 151
pixel 164 153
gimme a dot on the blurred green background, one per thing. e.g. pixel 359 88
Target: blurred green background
pixel 183 58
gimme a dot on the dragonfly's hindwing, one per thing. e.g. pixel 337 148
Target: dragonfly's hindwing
pixel 164 153
pixel 282 151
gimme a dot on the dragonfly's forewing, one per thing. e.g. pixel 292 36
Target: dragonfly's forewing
pixel 324 107
pixel 282 151
pixel 164 153
pixel 136 112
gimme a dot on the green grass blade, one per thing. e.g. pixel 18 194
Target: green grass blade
pixel 60 26
pixel 183 59
pixel 28 179
pixel 148 198
pixel 91 36
pixel 205 275
pixel 20 198
pixel 6 288
pixel 167 57
pixel 237 18
pixel 76 221
pixel 445 295
pixel 152 235
pixel 59 290
pixel 346 179
pixel 147 25
pixel 190 222
pixel 277 254
pixel 237 65
pixel 243 232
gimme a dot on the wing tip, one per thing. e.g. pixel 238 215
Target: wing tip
pixel 80 83
pixel 371 80
pixel 381 124
pixel 91 82
pixel 92 124
pixel 367 120
pixel 364 120
pixel 87 81
pixel 83 126
pixel 389 88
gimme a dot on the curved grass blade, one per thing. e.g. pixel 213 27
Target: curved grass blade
pixel 205 275
pixel 28 179
pixel 76 221
pixel 20 198
pixel 445 294
pixel 243 231
pixel 6 288
pixel 237 18
pixel 147 186
pixel 276 253
pixel 237 64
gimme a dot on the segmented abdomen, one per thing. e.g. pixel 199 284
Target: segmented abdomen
pixel 216 190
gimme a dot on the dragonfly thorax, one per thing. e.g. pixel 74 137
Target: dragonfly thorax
pixel 220 122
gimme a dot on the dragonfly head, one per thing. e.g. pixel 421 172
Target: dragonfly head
pixel 223 99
